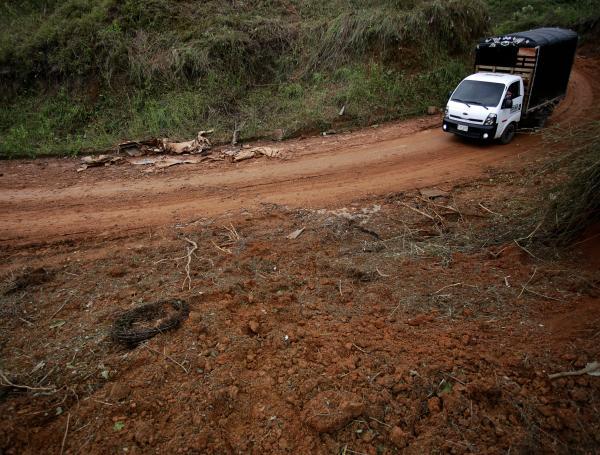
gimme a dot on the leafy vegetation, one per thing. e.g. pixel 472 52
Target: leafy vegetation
pixel 515 15
pixel 80 75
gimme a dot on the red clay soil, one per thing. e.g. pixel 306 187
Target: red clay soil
pixel 393 323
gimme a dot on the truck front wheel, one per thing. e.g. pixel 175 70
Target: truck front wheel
pixel 508 133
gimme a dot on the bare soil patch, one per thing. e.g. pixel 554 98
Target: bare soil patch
pixel 378 329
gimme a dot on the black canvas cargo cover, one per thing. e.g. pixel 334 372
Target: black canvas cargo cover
pixel 556 49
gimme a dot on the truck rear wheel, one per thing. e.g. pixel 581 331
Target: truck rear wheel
pixel 508 134
pixel 542 116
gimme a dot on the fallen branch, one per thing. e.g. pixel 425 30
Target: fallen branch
pixel 167 357
pixel 294 235
pixel 46 375
pixel 394 310
pixel 62 446
pixel 188 278
pixel 448 207
pixel 532 233
pixel 61 307
pixel 379 421
pixel 446 287
pixel 527 251
pixel 383 275
pixel 418 211
pixel 592 368
pixel 495 255
pixel 233 234
pixel 456 379
pixel 528 281
pixel 359 348
pixel 488 210
pixel 543 295
pixel 223 250
pixel 587 239
pixel 439 217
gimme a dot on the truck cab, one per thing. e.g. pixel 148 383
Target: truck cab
pixel 485 106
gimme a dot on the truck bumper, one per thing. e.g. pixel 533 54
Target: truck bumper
pixel 484 132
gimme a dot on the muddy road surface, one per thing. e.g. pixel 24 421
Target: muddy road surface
pixel 47 199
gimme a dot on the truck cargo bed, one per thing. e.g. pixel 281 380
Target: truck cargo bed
pixel 542 57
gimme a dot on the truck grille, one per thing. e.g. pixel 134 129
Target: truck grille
pixel 466 118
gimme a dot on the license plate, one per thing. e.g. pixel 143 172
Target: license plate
pixel 462 128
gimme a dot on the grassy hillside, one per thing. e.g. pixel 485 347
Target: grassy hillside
pixel 82 74
pixel 512 15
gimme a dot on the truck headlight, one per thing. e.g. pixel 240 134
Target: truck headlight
pixel 490 120
pixel 446 112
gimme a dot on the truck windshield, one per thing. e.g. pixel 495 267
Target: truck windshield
pixel 478 92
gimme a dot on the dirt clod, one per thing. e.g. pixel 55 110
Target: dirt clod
pixel 254 326
pixel 399 437
pixel 434 404
pixel 331 410
pixel 119 391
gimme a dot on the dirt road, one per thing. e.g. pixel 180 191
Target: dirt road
pixel 47 199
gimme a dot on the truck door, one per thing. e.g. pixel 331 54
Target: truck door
pixel 510 112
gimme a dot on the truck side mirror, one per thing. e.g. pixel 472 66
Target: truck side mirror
pixel 507 103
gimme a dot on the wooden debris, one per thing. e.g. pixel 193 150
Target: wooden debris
pixel 432 193
pixel 592 369
pixel 294 235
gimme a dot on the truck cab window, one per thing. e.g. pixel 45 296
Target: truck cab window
pixel 478 92
pixel 514 89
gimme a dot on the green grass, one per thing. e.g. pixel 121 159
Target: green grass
pixel 517 15
pixel 80 75
pixel 63 124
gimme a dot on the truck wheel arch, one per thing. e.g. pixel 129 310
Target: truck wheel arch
pixel 508 134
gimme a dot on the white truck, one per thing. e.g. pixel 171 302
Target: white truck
pixel 519 79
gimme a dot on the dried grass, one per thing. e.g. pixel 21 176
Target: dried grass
pixel 576 201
